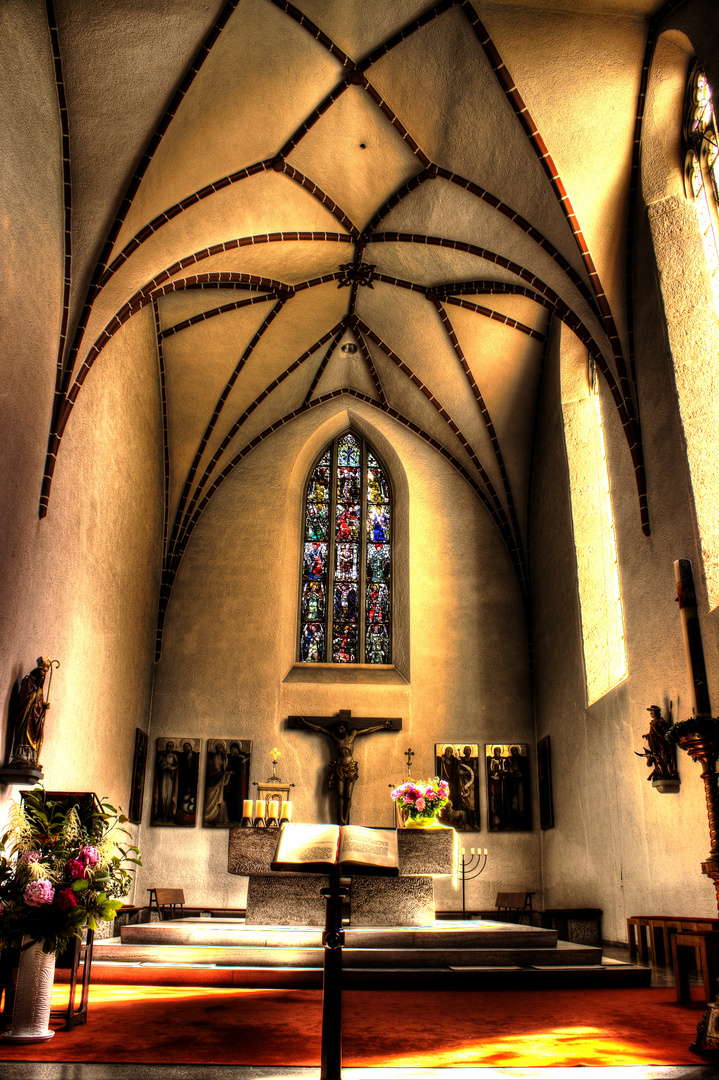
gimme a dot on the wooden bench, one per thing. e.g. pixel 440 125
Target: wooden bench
pixel 705 944
pixel 661 928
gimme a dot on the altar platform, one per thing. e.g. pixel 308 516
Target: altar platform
pixel 476 954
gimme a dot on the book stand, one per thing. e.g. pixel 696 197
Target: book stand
pixel 333 939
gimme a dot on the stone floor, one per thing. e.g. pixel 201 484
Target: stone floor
pixel 661 975
pixel 78 1071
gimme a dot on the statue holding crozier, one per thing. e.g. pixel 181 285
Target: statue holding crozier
pixel 29 718
pixel 344 770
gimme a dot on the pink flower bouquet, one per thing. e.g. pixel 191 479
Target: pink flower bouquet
pixel 62 867
pixel 422 798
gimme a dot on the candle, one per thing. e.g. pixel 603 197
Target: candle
pixel 247 808
pixel 485 851
pixel 286 813
pixel 471 851
pixel 273 809
pixel 260 808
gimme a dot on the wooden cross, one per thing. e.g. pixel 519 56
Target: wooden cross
pixel 343 729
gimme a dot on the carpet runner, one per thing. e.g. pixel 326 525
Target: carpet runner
pixel 209 1025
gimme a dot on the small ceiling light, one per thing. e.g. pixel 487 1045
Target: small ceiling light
pixel 349 348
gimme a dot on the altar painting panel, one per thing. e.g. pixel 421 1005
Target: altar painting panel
pixel 174 789
pixel 507 770
pixel 227 781
pixel 458 764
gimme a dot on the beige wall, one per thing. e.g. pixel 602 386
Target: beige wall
pixel 229 642
pixel 81 585
pixel 617 843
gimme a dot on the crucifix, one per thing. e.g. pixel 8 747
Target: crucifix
pixel 343 730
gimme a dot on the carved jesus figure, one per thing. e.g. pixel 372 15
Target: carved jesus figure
pixel 344 770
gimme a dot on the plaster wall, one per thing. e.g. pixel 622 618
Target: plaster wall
pixel 82 584
pixel 227 665
pixel 618 844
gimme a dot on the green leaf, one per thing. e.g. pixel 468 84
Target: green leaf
pixel 80 885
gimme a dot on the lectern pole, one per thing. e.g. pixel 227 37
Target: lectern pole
pixel 332 941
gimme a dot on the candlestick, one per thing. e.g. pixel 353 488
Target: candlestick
pixel 246 813
pixel 273 812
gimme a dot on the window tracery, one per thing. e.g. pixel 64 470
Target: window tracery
pixel 345 605
pixel 701 169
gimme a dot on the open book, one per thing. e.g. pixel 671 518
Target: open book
pixel 314 848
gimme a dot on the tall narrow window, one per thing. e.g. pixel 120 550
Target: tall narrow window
pixel 701 166
pixel 595 542
pixel 345 604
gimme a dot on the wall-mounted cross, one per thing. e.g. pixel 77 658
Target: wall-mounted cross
pixel 343 729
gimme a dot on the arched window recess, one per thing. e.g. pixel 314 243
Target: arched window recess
pixel 701 166
pixel 346 572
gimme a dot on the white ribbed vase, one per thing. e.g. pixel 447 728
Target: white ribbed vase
pixel 31 1011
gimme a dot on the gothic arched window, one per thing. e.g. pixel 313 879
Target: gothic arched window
pixel 346 592
pixel 702 165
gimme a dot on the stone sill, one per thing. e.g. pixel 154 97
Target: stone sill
pixel 371 674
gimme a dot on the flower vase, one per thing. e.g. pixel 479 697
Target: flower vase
pixel 420 822
pixel 31 1011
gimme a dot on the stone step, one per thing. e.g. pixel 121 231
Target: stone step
pixel 608 974
pixel 236 933
pixel 441 956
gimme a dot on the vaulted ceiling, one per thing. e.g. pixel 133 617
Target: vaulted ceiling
pixel 349 197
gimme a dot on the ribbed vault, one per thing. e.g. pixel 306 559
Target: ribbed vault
pixel 316 201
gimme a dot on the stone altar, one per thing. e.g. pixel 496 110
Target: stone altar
pixel 293 899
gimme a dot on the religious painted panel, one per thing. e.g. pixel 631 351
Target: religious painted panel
pixel 344 643
pixel 458 764
pixel 507 768
pixel 347 521
pixel 312 643
pixel 137 784
pixel 376 644
pixel 378 562
pixel 347 562
pixel 227 781
pixel 174 791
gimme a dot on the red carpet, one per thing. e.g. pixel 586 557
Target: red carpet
pixel 172 1024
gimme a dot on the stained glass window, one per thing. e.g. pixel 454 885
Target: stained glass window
pixel 346 592
pixel 702 166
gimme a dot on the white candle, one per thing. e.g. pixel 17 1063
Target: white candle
pixel 471 851
pixel 273 810
pixel 247 808
pixel 286 812
pixel 260 808
pixel 485 851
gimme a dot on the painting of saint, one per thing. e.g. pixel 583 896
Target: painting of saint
pixel 312 643
pixel 315 560
pixel 458 764
pixel 174 790
pixel 508 806
pixel 227 781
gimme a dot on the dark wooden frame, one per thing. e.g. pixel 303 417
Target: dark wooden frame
pixel 137 783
